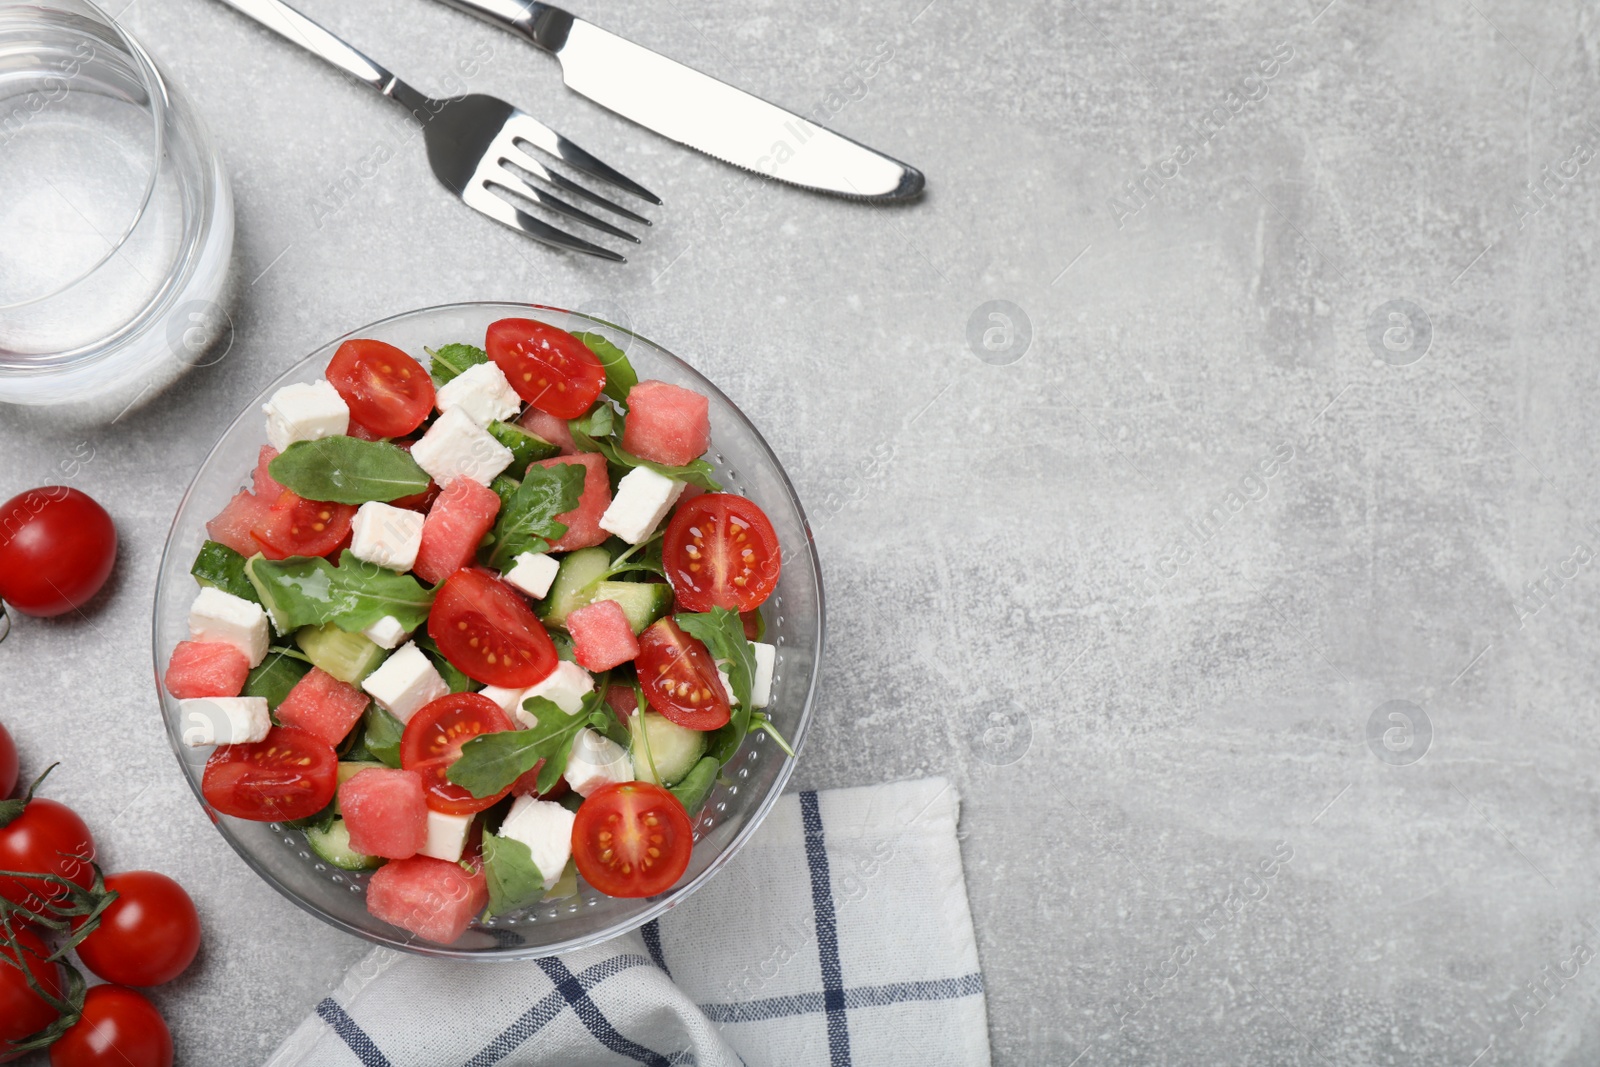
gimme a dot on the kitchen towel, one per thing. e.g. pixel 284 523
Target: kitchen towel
pixel 839 935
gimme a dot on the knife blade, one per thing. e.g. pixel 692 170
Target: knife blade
pixel 697 110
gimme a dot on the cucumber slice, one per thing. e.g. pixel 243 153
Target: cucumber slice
pixel 348 657
pixel 503 488
pixel 663 752
pixel 333 846
pixel 642 602
pixel 696 787
pixel 525 447
pixel 570 591
pixel 278 673
pixel 348 769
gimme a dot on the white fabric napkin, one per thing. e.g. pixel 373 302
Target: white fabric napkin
pixel 839 935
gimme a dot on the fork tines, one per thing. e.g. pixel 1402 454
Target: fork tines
pixel 509 171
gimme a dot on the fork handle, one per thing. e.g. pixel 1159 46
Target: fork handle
pixel 288 23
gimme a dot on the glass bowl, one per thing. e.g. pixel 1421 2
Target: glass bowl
pixel 744 464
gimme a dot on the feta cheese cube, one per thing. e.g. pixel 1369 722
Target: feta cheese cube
pixel 508 699
pixel 386 535
pixel 386 632
pixel 447 836
pixel 565 688
pixel 305 413
pixel 456 447
pixel 596 760
pixel 481 393
pixel 642 500
pixel 727 685
pixel 224 720
pixel 405 682
pixel 232 620
pixel 546 828
pixel 761 684
pixel 532 572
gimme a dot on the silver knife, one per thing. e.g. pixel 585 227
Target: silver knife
pixel 698 110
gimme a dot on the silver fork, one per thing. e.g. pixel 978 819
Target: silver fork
pixel 473 142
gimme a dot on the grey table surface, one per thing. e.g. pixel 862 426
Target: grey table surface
pixel 1292 420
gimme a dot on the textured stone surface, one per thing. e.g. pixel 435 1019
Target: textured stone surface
pixel 1149 690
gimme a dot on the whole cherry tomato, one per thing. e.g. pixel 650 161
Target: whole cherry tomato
pixel 119 1028
pixel 8 764
pixel 56 550
pixel 149 934
pixel 22 1011
pixel 47 838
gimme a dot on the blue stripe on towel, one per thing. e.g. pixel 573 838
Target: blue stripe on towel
pixel 351 1034
pixel 875 996
pixel 577 997
pixel 551 1005
pixel 652 943
pixel 827 932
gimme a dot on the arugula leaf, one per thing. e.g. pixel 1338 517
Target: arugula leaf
pixel 527 521
pixel 453 676
pixel 383 733
pixel 451 360
pixel 600 430
pixel 490 762
pixel 221 566
pixel 514 879
pixel 723 635
pixel 348 470
pixel 308 590
pixel 695 788
pixel 280 672
pixel 620 377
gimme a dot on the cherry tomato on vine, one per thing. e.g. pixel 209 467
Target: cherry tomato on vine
pixel 148 936
pixel 57 547
pixel 119 1028
pixel 22 1011
pixel 8 764
pixel 47 838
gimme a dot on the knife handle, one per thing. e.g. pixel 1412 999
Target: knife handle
pixel 542 24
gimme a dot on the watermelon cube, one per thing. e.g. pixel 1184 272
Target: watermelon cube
pixel 667 423
pixel 321 704
pixel 602 637
pixel 552 429
pixel 456 522
pixel 583 521
pixel 386 812
pixel 265 485
pixel 434 899
pixel 206 669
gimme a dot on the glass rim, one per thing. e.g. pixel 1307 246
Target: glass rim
pixel 155 88
pixel 667 900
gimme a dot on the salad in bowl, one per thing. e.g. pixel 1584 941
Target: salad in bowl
pixel 487 629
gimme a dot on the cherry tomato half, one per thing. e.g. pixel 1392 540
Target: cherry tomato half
pixel 23 1012
pixel 119 1028
pixel 8 764
pixel 291 775
pixel 147 936
pixel 432 742
pixel 57 547
pixel 680 679
pixel 387 391
pixel 632 839
pixel 721 551
pixel 489 632
pixel 549 368
pixel 47 838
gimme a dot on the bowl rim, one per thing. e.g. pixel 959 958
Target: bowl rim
pixel 658 906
